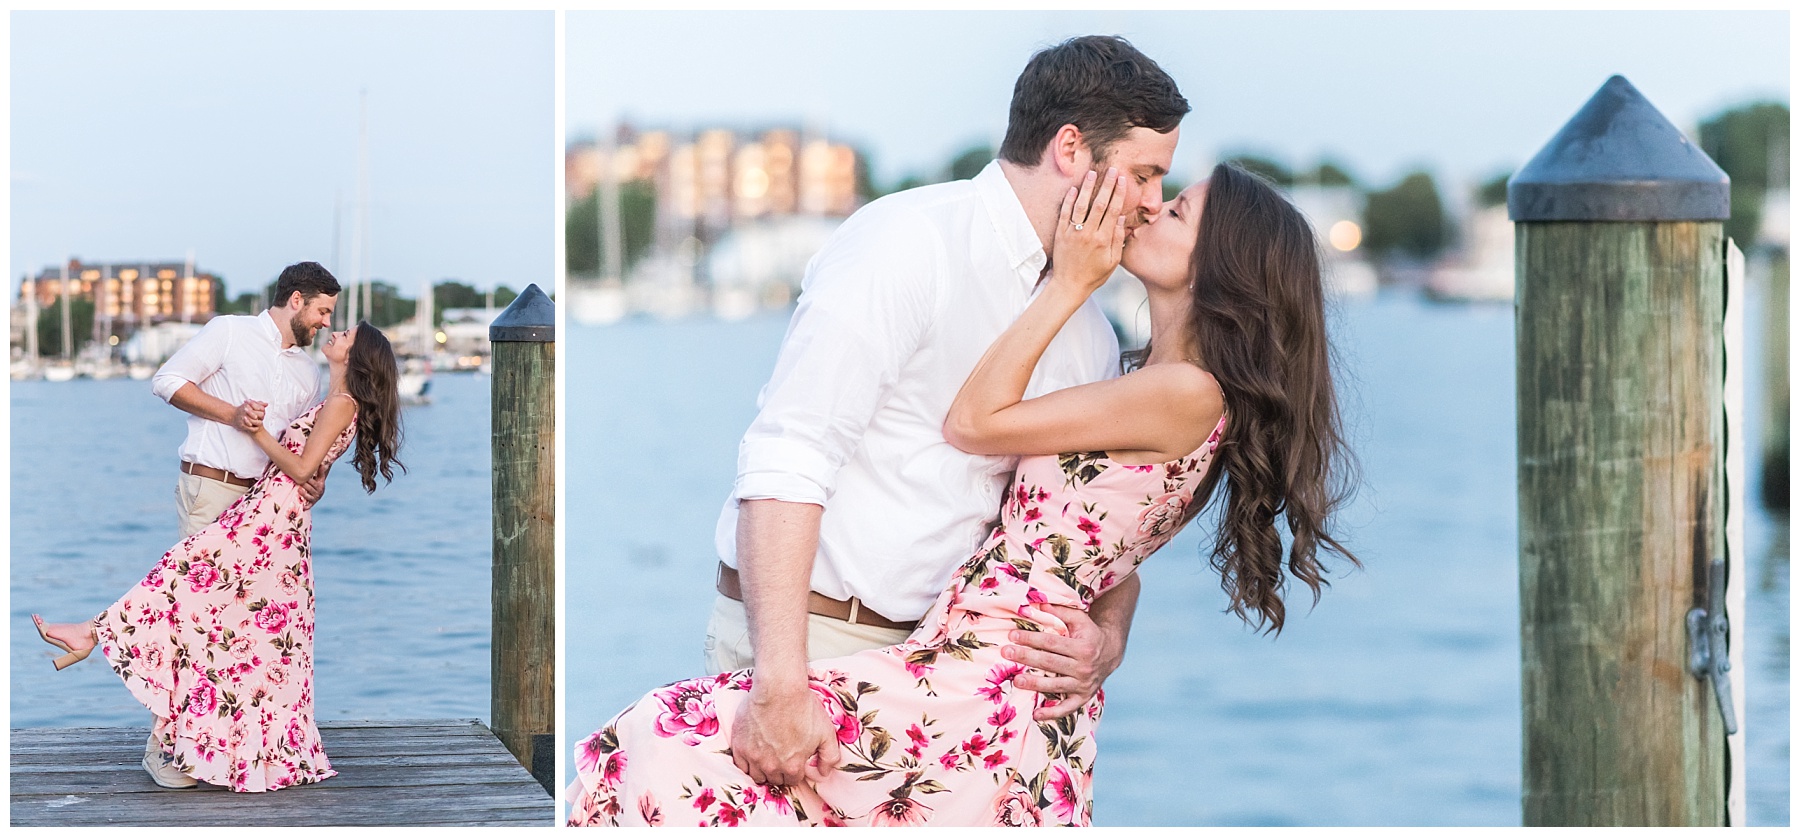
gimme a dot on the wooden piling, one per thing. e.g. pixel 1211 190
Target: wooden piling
pixel 524 596
pixel 1774 443
pixel 1620 254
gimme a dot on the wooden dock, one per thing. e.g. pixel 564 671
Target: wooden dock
pixel 401 772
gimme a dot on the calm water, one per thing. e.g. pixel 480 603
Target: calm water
pixel 1395 702
pixel 403 575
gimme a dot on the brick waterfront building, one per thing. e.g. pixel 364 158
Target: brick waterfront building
pixel 129 292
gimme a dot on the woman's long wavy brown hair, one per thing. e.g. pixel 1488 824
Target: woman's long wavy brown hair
pixel 1258 314
pixel 372 376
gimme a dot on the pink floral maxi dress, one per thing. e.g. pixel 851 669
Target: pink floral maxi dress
pixel 932 730
pixel 217 640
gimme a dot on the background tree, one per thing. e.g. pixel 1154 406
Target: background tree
pixel 451 293
pixel 865 179
pixel 1751 144
pixel 49 326
pixel 386 306
pixel 637 226
pixel 1264 166
pixel 244 303
pixel 911 181
pixel 971 162
pixel 1326 173
pixel 1406 219
pixel 1492 192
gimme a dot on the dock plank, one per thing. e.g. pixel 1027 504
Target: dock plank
pixel 401 772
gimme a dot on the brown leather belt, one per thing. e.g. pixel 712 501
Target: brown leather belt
pixel 851 611
pixel 215 474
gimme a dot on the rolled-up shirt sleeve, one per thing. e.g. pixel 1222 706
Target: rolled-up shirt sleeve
pixel 195 361
pixel 867 300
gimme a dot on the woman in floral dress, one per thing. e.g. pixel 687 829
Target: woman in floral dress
pixel 217 640
pixel 1233 392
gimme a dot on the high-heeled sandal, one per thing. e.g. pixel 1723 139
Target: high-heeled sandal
pixel 68 659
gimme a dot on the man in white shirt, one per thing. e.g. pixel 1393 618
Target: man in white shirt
pixel 240 373
pixel 850 511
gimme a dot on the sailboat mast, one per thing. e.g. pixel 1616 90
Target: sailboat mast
pixel 187 289
pixel 358 248
pixel 337 254
pixel 368 285
pixel 68 343
pixel 427 328
pixel 103 306
pixel 31 317
pixel 607 197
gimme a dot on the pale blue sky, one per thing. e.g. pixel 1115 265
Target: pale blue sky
pixel 1468 94
pixel 145 135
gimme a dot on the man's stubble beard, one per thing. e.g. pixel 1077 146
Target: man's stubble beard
pixel 303 336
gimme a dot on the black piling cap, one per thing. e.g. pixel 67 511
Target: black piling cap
pixel 529 319
pixel 1619 159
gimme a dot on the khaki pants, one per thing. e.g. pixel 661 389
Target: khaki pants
pixel 199 501
pixel 728 637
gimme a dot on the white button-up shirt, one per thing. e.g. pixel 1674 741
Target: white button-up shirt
pixel 894 312
pixel 234 358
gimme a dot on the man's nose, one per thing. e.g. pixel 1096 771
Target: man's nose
pixel 1152 201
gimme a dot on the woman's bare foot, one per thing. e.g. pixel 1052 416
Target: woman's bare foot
pixel 73 637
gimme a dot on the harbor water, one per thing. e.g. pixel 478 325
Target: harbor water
pixel 402 576
pixel 1396 701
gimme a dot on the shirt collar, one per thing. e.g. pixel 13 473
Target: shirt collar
pixel 1018 239
pixel 266 325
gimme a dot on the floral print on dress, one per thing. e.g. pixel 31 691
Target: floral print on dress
pixel 217 639
pixel 932 731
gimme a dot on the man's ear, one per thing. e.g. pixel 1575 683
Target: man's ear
pixel 295 301
pixel 1069 152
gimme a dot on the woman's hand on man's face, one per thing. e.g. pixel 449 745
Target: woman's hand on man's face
pixel 1090 232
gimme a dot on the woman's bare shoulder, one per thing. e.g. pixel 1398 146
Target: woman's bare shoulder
pixel 1182 402
pixel 336 413
pixel 1186 387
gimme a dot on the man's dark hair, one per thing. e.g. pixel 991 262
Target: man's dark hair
pixel 309 278
pixel 1098 83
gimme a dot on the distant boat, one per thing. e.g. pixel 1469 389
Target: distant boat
pixel 99 370
pixel 663 286
pixel 734 302
pixel 1350 278
pixel 759 266
pixel 59 371
pixel 415 381
pixel 141 371
pixel 95 361
pixel 597 303
pixel 1483 270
